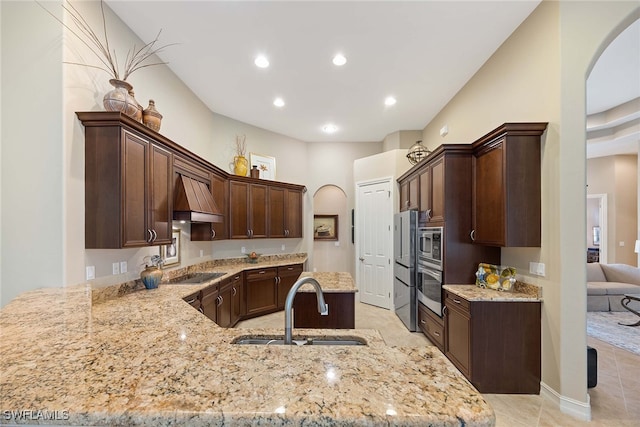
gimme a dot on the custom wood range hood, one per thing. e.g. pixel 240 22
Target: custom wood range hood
pixel 193 202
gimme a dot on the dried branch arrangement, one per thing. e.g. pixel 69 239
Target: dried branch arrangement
pixel 241 146
pixel 136 57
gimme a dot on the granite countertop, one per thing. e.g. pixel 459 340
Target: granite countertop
pixel 330 282
pixel 522 292
pixel 147 358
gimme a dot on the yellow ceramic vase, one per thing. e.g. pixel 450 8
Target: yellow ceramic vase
pixel 240 165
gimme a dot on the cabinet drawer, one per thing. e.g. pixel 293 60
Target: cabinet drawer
pixel 431 325
pixel 261 274
pixel 453 300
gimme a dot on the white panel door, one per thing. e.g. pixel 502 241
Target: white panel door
pixel 374 243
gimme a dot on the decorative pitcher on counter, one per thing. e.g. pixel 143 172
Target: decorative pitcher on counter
pixel 151 276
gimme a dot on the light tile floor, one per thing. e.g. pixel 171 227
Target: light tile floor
pixel 615 401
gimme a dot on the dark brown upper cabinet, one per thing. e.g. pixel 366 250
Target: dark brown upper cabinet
pixel 247 210
pixel 410 193
pixel 128 188
pixel 131 176
pixel 285 212
pixel 506 196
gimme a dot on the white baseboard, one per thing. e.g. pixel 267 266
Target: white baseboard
pixel 575 408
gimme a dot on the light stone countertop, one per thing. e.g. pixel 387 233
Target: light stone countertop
pixel 522 293
pixel 330 282
pixel 147 358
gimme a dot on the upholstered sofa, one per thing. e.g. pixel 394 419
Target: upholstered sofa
pixel 607 284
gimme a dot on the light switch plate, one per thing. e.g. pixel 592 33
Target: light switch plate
pixel 537 268
pixel 123 266
pixel 116 267
pixel 91 272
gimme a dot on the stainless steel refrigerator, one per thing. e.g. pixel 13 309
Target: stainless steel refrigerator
pixel 405 225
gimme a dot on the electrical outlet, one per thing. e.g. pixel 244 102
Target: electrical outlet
pixel 116 267
pixel 283 247
pixel 91 272
pixel 123 266
pixel 537 268
pixel 337 243
pixel 201 253
pixel 243 250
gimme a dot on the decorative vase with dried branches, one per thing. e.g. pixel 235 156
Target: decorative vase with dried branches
pixel 121 98
pixel 240 162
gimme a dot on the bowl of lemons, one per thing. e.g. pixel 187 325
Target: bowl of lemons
pixel 497 277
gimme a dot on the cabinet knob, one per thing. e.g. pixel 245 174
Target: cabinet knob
pixel 473 235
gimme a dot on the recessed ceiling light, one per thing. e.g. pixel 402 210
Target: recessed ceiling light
pixel 278 102
pixel 329 128
pixel 339 60
pixel 389 100
pixel 261 61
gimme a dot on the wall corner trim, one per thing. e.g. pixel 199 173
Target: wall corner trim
pixel 572 407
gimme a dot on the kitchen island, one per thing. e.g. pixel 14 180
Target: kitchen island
pixel 339 293
pixel 148 358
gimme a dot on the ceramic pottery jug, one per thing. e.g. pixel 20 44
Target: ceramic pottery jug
pixel 119 99
pixel 240 165
pixel 151 277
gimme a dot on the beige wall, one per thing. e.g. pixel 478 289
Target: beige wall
pixel 616 176
pixel 333 255
pixel 539 74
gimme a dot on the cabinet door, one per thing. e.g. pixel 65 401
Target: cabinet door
pixel 410 193
pixel 293 213
pixel 161 203
pixel 135 171
pixel 489 196
pixel 225 305
pixel 259 218
pixel 219 189
pixel 458 342
pixel 425 191
pixel 237 293
pixel 287 276
pixel 209 302
pixel 238 210
pixel 431 325
pixel 277 218
pixel 437 191
pixel 260 291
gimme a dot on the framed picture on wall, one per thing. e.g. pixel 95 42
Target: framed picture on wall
pixel 266 165
pixel 325 227
pixel 171 253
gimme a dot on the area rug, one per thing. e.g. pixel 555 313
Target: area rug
pixel 603 325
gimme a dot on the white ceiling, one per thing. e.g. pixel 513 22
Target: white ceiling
pixel 420 52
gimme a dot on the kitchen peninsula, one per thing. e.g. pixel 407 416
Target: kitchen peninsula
pixel 148 358
pixel 339 291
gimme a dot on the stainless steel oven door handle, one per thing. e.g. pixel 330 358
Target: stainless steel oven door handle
pixel 433 274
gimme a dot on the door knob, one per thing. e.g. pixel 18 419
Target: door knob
pixel 361 259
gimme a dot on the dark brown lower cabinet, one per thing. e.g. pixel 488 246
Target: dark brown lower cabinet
pixel 209 302
pixel 431 325
pixel 225 304
pixel 287 276
pixel 495 344
pixel 261 293
pixel 341 311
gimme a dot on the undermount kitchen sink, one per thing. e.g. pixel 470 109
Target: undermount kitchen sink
pixel 194 278
pixel 259 340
